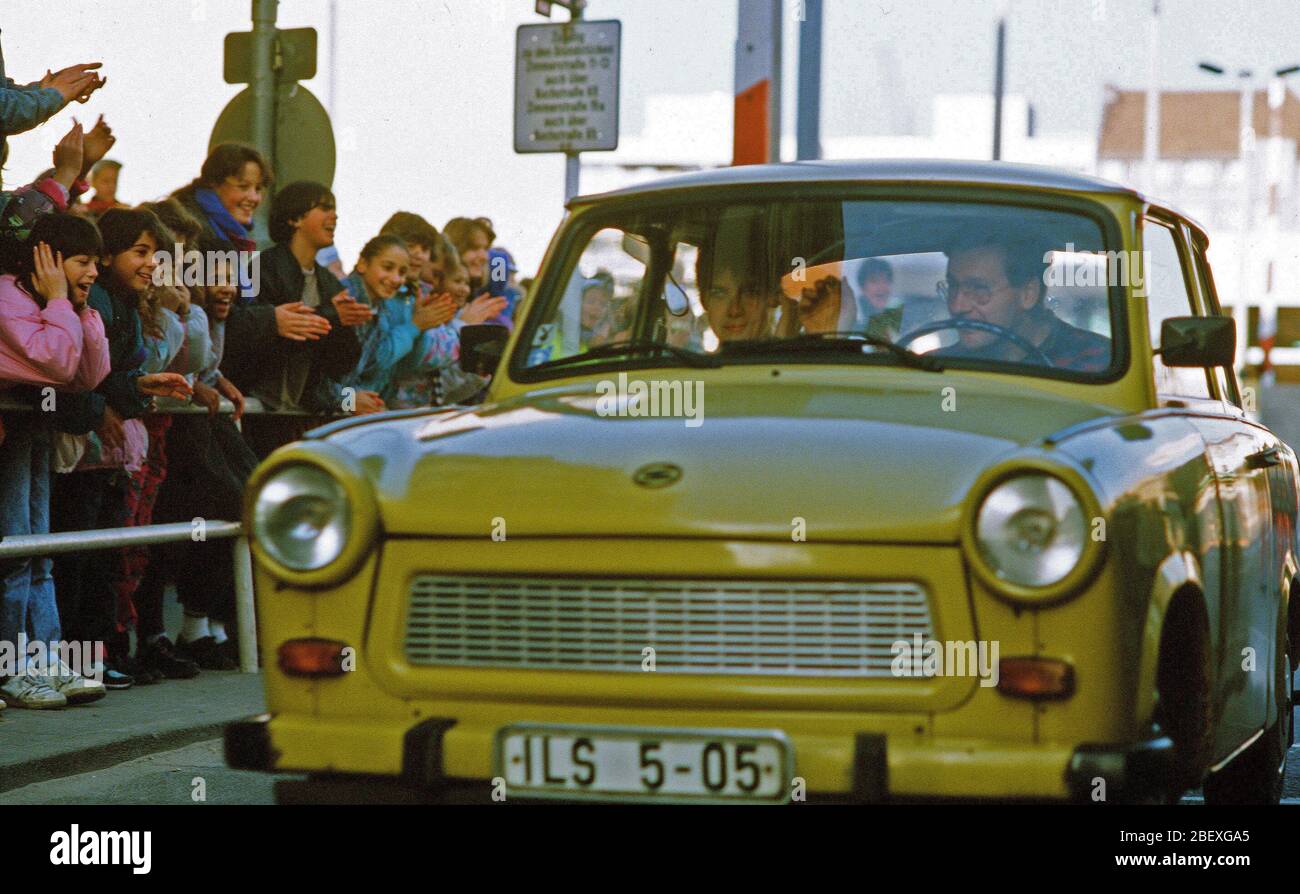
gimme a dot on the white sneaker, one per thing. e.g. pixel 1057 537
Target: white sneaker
pixel 78 690
pixel 32 691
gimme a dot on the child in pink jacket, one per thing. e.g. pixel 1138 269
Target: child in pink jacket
pixel 50 339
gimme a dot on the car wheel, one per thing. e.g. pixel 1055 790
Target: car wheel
pixel 1183 709
pixel 1255 776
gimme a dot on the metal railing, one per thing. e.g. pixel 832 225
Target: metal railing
pixel 252 407
pixel 29 546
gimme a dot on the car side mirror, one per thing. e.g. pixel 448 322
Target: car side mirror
pixel 481 347
pixel 1198 341
pixel 676 300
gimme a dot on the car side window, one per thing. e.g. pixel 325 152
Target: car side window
pixel 1168 296
pixel 598 304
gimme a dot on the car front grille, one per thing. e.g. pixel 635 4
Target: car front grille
pixel 806 628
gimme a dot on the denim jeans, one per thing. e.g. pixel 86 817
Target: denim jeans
pixel 82 501
pixel 28 605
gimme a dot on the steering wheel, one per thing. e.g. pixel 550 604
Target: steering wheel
pixel 1001 332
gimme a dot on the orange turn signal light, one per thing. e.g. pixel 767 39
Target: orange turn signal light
pixel 312 657
pixel 1036 678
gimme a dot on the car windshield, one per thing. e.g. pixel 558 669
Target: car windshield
pixel 964 284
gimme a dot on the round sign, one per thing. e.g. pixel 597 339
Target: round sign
pixel 304 138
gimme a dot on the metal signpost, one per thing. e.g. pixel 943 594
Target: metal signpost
pixel 276 114
pixel 566 89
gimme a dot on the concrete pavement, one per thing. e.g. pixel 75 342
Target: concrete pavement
pixel 193 774
pixel 36 746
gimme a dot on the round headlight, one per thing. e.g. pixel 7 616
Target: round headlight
pixel 302 517
pixel 1031 530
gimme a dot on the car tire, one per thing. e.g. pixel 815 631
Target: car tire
pixel 1255 776
pixel 1183 709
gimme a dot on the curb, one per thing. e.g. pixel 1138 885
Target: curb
pixel 101 757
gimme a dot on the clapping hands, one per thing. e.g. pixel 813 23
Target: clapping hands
pixel 351 311
pixel 76 82
pixel 431 311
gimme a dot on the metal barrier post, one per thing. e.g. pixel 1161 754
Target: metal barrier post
pixel 245 607
pixel 64 542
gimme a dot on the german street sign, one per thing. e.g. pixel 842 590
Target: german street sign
pixel 566 86
pixel 294 60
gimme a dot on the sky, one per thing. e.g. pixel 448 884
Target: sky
pixel 423 89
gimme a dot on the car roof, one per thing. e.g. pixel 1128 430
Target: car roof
pixel 884 170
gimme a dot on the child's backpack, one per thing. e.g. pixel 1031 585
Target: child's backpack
pixel 18 211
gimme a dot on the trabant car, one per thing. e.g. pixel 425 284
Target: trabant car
pixel 858 481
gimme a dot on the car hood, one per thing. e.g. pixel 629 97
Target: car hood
pixel 767 462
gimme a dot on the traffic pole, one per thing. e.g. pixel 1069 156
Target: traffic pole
pixel 262 131
pixel 263 83
pixel 572 174
pixel 810 82
pixel 998 86
pixel 245 606
pixel 1151 132
pixel 573 160
pixel 757 136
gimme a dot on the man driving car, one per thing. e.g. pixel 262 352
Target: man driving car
pixel 999 281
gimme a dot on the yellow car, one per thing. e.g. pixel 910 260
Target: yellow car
pixel 844 481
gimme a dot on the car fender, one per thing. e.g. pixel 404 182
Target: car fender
pixel 1177 570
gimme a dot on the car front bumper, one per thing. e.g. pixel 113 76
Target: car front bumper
pixel 442 759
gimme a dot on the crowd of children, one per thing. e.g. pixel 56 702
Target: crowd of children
pixel 107 354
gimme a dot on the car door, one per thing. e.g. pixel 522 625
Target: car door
pixel 1234 546
pixel 1273 461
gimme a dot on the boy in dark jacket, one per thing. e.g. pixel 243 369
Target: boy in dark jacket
pixel 284 371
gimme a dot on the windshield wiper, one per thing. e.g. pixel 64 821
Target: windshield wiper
pixel 632 347
pixel 835 341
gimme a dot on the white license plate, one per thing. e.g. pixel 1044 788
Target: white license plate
pixel 616 763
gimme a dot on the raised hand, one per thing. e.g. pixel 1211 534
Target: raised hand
pixel 86 94
pixel 176 298
pixel 483 308
pixel 298 322
pixel 431 310
pixel 47 273
pixel 99 139
pixel 351 311
pixel 819 311
pixel 69 155
pixel 75 82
